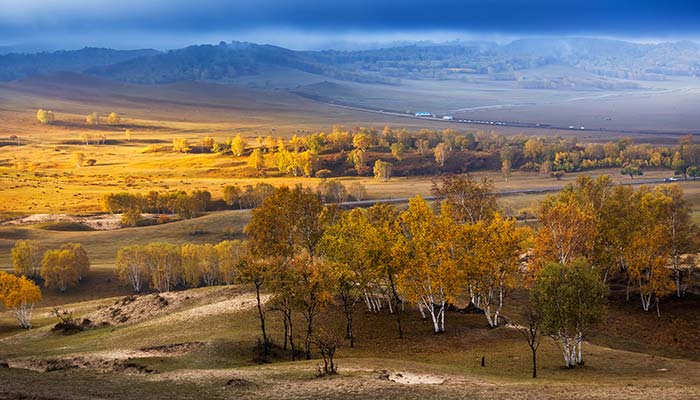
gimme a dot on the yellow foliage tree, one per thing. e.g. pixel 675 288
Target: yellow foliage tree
pixel 113 118
pixel 45 117
pixel 93 119
pixel 19 294
pixel 238 145
pixel 59 269
pixel 26 257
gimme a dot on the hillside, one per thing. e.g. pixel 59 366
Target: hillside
pixel 226 62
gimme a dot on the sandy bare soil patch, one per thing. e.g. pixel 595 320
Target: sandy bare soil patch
pixel 411 378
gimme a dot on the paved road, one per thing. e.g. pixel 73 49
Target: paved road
pixel 546 189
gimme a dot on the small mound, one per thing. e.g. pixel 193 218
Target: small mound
pixel 101 365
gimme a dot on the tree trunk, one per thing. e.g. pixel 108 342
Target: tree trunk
pixel 309 331
pixel 262 318
pixel 396 299
pixel 534 362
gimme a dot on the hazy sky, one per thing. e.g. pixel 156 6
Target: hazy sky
pixel 323 23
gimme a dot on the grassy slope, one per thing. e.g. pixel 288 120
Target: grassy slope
pixel 230 336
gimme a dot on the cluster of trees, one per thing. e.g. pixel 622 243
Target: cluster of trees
pixel 95 119
pixel 464 251
pixel 59 268
pixel 164 266
pixel 131 206
pixel 45 117
pixel 301 155
pixel 643 237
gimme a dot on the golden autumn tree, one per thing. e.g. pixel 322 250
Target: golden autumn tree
pixel 45 117
pixel 425 248
pixel 238 145
pixel 493 270
pixel 567 230
pixel 257 160
pixel 26 258
pixel 82 261
pixel 312 290
pixel 19 295
pixel 231 254
pixel 465 199
pixel 59 269
pixel 113 118
pixel 131 267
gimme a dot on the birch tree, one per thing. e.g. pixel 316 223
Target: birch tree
pixel 131 267
pixel 569 299
pixel 423 246
pixel 495 269
pixel 19 295
pixel 465 199
pixel 26 258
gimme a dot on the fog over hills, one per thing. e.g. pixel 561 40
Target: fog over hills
pixel 454 60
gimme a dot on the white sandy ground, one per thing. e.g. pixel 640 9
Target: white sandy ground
pixel 100 222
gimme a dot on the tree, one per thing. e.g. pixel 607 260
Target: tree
pixel 312 290
pixel 693 171
pixel 238 145
pixel 567 230
pixel 569 299
pixel 93 119
pixel 533 334
pixel 181 145
pixel 533 149
pixel 362 141
pixel 357 159
pixel 257 159
pixel 59 269
pixel 231 256
pixel 287 220
pixel 131 206
pixel 26 258
pixel 113 118
pixel 424 246
pixel 495 261
pixel 398 150
pixel 506 167
pixel 131 267
pixel 19 294
pixel 332 191
pixel 200 264
pixel 674 215
pixel 382 170
pixel 78 158
pixel 45 117
pixel 440 153
pixel 361 260
pixel 256 271
pixel 232 195
pixel 631 170
pixel 82 261
pixel 328 343
pixel 164 265
pixel 357 191
pixel 465 199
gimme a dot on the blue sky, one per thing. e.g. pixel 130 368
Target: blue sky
pixel 323 23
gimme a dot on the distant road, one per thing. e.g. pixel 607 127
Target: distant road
pixel 495 123
pixel 546 189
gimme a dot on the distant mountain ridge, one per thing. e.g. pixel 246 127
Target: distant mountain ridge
pixel 228 62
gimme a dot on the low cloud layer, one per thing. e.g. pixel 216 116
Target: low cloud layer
pixel 172 23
